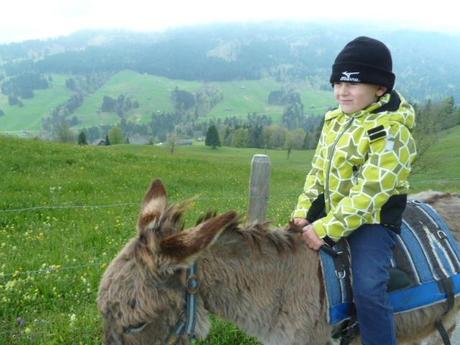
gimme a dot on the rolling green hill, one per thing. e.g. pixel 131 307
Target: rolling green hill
pixel 29 117
pixel 67 210
pixel 153 95
pixel 242 97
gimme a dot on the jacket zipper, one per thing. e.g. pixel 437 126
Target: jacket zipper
pixel 331 154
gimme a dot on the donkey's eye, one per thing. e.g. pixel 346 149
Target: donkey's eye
pixel 137 328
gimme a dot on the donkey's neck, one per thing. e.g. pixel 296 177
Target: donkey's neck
pixel 268 285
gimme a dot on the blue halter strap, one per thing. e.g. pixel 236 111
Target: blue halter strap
pixel 186 325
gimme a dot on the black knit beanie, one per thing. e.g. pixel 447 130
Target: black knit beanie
pixel 364 60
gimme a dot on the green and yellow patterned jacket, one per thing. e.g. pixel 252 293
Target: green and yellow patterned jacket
pixel 360 169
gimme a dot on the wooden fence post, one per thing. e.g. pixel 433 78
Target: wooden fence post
pixel 259 188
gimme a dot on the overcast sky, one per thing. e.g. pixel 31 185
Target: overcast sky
pixel 31 19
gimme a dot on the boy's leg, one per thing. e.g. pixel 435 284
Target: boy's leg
pixel 371 251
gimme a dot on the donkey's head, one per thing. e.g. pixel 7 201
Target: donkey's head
pixel 141 295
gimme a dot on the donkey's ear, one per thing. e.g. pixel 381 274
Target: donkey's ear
pixel 154 204
pixel 183 248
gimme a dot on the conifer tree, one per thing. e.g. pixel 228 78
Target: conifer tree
pixel 212 137
pixel 82 138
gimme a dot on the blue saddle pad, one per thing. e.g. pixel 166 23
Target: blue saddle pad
pixel 426 252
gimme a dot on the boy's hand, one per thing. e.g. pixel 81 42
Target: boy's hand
pixel 311 237
pixel 300 221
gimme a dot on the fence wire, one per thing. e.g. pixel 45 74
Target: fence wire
pixel 52 269
pixel 97 206
pixel 124 204
pixel 38 208
pixel 201 198
pixel 57 207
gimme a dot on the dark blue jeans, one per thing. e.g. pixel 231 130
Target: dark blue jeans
pixel 371 251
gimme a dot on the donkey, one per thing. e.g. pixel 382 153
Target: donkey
pixel 265 280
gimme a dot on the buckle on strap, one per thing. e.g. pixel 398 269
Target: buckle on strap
pixel 341 274
pixel 441 235
pixel 192 284
pixel 330 251
pixel 340 262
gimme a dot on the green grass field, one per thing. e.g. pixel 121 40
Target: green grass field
pixel 153 95
pixel 66 211
pixel 439 169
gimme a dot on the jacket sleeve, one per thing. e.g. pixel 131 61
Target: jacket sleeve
pixel 314 182
pixel 382 175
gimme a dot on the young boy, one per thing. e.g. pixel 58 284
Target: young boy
pixel 357 185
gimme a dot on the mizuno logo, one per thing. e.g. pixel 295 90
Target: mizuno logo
pixel 347 76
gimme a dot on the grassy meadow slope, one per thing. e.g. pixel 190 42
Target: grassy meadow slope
pixel 153 95
pixel 439 168
pixel 246 96
pixel 29 117
pixel 66 211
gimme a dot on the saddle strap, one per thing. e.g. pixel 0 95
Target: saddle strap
pixel 446 285
pixel 442 332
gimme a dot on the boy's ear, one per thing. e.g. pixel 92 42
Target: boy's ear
pixel 381 91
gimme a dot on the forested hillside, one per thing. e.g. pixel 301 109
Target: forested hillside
pixel 242 78
pixel 426 63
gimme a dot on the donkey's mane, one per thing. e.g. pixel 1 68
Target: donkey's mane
pixel 258 235
pixel 171 219
pixel 169 222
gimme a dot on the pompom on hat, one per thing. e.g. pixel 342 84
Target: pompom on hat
pixel 364 60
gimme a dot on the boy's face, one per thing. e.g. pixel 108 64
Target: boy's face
pixel 354 97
